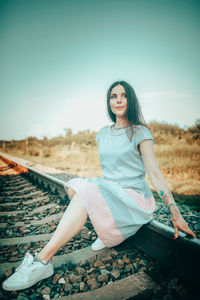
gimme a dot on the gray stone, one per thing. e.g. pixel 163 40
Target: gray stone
pixel 91 282
pixel 13 259
pixel 104 271
pixel 55 279
pixel 98 264
pixel 120 262
pixel 94 286
pixel 83 286
pixel 79 271
pixel 68 287
pixel 102 278
pixel 136 285
pixel 107 260
pixel 115 273
pixel 45 291
pixel 90 270
pixel 61 281
pixel 7 273
pixel 73 278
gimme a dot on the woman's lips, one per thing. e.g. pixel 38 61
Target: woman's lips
pixel 119 107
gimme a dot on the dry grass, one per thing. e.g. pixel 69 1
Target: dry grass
pixel 177 151
pixel 179 164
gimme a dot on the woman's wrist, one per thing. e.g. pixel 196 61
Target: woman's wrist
pixel 173 208
pixel 172 205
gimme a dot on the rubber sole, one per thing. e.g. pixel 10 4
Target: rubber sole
pixel 28 285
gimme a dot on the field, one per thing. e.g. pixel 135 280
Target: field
pixel 177 151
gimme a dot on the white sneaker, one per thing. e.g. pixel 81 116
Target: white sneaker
pixel 27 274
pixel 98 245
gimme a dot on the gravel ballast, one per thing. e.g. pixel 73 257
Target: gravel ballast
pixel 88 275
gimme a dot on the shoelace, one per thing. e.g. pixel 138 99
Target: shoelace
pixel 24 267
pixel 21 270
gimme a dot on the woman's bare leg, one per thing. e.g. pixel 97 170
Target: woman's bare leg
pixel 71 223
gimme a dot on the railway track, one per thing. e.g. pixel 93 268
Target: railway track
pixel 149 264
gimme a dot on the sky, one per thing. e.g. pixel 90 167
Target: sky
pixel 58 59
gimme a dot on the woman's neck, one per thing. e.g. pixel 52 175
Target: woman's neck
pixel 121 122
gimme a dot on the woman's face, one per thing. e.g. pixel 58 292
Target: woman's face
pixel 118 101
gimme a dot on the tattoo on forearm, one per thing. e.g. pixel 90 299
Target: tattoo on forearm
pixel 167 199
pixel 161 195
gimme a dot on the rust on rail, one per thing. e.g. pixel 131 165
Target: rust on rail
pixel 17 167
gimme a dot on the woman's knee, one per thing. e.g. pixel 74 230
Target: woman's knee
pixel 70 193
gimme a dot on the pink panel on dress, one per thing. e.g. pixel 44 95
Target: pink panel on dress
pixel 98 211
pixel 147 204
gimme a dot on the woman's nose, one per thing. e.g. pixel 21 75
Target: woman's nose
pixel 118 98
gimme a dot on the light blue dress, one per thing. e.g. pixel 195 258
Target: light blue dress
pixel 120 159
pixel 120 202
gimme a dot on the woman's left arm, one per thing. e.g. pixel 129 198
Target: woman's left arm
pixel 161 187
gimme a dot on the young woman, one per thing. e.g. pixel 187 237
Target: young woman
pixel 119 203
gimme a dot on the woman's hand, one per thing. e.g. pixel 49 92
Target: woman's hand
pixel 179 223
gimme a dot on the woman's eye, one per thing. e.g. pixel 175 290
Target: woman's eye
pixel 114 96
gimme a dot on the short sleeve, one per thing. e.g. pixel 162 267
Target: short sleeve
pixel 101 133
pixel 142 133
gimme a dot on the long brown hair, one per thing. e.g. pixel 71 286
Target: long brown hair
pixel 133 113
